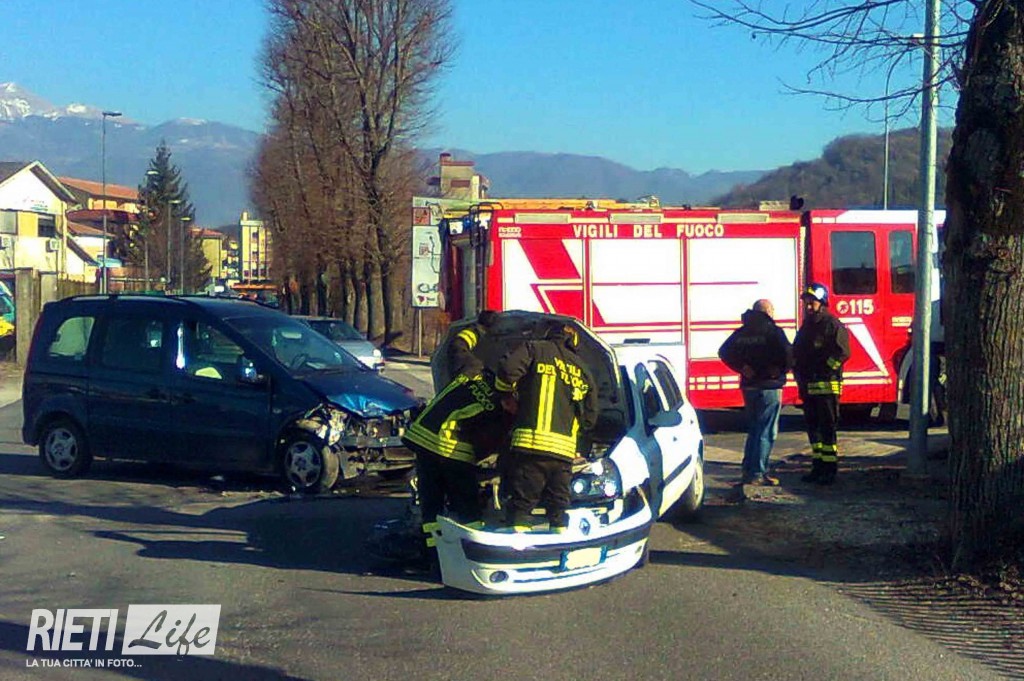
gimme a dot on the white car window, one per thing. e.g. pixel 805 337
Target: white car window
pixel 666 382
pixel 650 399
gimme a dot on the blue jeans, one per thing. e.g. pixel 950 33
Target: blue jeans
pixel 762 409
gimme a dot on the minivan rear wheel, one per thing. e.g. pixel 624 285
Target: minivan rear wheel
pixel 308 464
pixel 63 449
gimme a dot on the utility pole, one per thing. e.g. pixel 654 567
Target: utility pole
pixel 167 272
pixel 181 253
pixel 920 387
pixel 103 198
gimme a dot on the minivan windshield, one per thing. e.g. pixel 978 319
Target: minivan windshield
pixel 296 346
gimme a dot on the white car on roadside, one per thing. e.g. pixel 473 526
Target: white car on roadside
pixel 644 460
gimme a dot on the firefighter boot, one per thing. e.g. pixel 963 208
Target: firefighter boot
pixel 828 473
pixel 816 471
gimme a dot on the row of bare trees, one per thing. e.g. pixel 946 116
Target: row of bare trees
pixel 984 229
pixel 350 81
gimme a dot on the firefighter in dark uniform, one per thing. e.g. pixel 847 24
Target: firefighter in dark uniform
pixel 821 347
pixel 556 400
pixel 461 424
pixel 463 354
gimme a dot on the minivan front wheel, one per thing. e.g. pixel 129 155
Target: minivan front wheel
pixel 309 465
pixel 63 449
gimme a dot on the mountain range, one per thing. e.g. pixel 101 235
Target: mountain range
pixel 214 159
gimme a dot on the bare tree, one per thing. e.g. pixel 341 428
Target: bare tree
pixel 351 78
pixel 984 229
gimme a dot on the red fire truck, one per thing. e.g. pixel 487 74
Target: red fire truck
pixel 680 275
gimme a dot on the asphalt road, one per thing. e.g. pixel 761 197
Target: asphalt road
pixel 300 599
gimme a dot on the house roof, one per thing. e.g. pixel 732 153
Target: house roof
pixel 9 169
pixel 82 229
pixel 206 233
pixel 80 252
pixel 114 191
pixel 96 215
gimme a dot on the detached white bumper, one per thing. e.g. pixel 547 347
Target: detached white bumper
pixel 492 561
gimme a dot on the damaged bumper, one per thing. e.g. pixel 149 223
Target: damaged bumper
pixel 498 561
pixel 363 445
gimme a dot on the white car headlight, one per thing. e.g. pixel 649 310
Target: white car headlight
pixel 376 353
pixel 598 481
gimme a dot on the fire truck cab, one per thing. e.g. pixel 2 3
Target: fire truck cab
pixel 654 274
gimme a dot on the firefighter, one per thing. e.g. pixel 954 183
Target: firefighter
pixel 463 353
pixel 821 347
pixel 460 425
pixel 556 400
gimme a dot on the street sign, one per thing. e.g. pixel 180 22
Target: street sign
pixel 426 265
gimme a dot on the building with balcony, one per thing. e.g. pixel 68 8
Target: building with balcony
pixel 254 250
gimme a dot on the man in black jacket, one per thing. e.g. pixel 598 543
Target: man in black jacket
pixel 761 354
pixel 556 400
pixel 821 347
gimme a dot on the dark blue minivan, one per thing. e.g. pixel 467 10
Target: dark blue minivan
pixel 227 385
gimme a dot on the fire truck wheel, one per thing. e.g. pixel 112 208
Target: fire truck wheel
pixel 855 414
pixel 887 412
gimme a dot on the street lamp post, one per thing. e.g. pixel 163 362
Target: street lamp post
pixel 103 172
pixel 181 252
pixel 921 338
pixel 167 221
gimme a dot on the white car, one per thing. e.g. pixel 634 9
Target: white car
pixel 348 338
pixel 646 459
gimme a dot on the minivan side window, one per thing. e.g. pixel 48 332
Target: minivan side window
pixel 71 339
pixel 204 352
pixel 133 344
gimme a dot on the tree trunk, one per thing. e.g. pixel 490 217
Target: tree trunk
pixel 305 296
pixel 394 306
pixel 359 319
pixel 985 287
pixel 375 290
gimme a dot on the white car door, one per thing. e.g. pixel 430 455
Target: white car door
pixel 669 447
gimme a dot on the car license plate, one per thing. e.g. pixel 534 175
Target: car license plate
pixel 581 558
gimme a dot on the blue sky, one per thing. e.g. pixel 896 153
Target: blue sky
pixel 645 83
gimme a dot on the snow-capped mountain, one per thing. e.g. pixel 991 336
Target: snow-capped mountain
pixel 213 157
pixel 16 103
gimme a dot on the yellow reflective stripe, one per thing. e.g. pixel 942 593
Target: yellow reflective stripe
pixel 469 336
pixel 547 402
pixel 440 445
pixel 430 527
pixel 824 388
pixel 503 386
pixel 833 363
pixel 552 443
pixel 829 458
pixel 431 542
